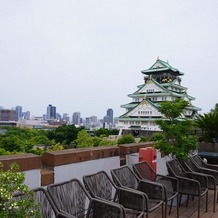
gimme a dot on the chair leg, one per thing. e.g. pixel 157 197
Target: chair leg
pixel 162 210
pixel 177 207
pixel 199 204
pixel 171 204
pixel 207 201
pixel 180 199
pixel 214 201
pixel 217 196
pixel 165 209
pixel 187 201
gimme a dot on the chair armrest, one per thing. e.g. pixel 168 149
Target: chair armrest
pixel 153 190
pixel 170 183
pixel 133 199
pixel 211 166
pixel 189 186
pixel 104 208
pixel 62 214
pixel 201 178
pixel 211 172
pixel 212 177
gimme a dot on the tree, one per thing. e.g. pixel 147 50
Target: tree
pixel 84 139
pixel 209 124
pixel 176 130
pixel 64 133
pixel 13 143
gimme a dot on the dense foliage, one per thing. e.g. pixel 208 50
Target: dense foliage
pixel 11 182
pixel 15 140
pixel 156 136
pixel 208 123
pixel 176 130
pixel 106 132
pixel 126 139
pixel 23 140
pixel 85 140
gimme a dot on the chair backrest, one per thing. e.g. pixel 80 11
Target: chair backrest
pixel 100 185
pixel 42 201
pixel 144 171
pixel 47 206
pixel 70 197
pixel 197 159
pixel 189 165
pixel 175 168
pixel 124 176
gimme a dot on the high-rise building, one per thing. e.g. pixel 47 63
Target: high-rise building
pixel 110 116
pixel 76 118
pixel 66 118
pixel 8 115
pixel 51 112
pixel 18 110
pixel 162 82
pixel 94 120
pixel 26 115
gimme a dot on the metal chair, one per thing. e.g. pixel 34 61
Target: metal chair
pixel 212 175
pixel 47 207
pixel 198 160
pixel 72 198
pixel 171 185
pixel 101 186
pixel 190 184
pixel 126 178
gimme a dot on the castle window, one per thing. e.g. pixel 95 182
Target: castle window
pixel 150 90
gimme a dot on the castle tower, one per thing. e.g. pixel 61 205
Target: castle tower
pixel 162 82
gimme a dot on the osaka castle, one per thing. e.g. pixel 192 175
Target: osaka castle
pixel 162 82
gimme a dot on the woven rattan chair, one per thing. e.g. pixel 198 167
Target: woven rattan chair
pixel 171 185
pixel 46 205
pixel 198 160
pixel 212 175
pixel 190 184
pixel 101 186
pixel 126 178
pixel 72 198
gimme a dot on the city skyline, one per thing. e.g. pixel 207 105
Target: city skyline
pixel 86 56
pixel 50 111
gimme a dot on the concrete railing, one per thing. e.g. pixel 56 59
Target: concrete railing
pixel 58 166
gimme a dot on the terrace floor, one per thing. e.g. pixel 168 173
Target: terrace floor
pixel 191 210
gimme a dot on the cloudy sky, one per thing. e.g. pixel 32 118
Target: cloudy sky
pixel 87 55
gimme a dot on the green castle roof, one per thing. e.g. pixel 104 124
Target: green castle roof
pixel 160 66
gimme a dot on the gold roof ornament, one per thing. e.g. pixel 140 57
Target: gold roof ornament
pixel 149 81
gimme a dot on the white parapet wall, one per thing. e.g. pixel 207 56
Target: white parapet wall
pixel 160 161
pixel 78 170
pixel 32 178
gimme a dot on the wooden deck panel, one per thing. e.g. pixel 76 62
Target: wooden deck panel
pixel 191 210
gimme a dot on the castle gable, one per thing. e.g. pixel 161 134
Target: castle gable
pixel 144 109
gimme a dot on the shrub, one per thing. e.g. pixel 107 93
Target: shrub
pixel 156 137
pixel 126 139
pixel 143 139
pixel 11 183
